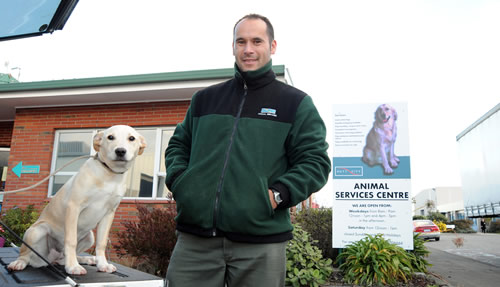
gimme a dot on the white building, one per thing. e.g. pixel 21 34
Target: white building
pixel 446 200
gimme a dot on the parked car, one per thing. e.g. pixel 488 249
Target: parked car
pixel 426 229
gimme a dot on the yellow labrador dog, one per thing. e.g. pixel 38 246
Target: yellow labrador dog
pixel 88 200
pixel 379 148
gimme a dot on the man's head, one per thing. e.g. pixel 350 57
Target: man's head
pixel 253 42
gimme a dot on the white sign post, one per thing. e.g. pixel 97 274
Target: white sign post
pixel 371 174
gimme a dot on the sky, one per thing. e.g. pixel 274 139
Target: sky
pixel 441 57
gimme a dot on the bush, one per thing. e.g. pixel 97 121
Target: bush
pixel 494 227
pixel 437 217
pixel 441 225
pixel 373 260
pixel 150 240
pixel 19 220
pixel 463 226
pixel 418 254
pixel 418 217
pixel 318 223
pixel 305 265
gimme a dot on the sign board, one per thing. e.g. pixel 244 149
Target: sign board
pixel 371 174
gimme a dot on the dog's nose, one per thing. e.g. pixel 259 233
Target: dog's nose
pixel 120 152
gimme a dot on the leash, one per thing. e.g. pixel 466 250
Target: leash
pixel 68 279
pixel 46 178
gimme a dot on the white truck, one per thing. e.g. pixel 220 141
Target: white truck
pixel 479 153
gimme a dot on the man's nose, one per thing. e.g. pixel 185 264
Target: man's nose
pixel 248 49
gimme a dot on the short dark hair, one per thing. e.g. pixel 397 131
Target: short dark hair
pixel 270 29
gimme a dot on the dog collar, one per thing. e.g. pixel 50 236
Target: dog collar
pixel 96 157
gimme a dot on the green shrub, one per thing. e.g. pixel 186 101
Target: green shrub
pixel 437 217
pixel 305 265
pixel 494 227
pixel 150 240
pixel 318 223
pixel 463 226
pixel 373 260
pixel 19 220
pixel 418 254
pixel 418 217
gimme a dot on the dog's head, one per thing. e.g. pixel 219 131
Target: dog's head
pixel 385 113
pixel 118 146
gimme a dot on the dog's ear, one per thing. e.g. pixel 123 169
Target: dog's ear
pixel 97 140
pixel 395 114
pixel 379 114
pixel 142 144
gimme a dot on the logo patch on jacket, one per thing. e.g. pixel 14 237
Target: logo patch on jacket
pixel 267 112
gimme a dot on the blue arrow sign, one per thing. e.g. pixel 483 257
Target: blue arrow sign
pixel 19 168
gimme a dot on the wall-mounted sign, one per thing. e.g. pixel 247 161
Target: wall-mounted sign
pixel 371 174
pixel 19 169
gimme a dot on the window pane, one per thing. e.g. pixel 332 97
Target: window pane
pixel 59 181
pixel 140 176
pixel 163 191
pixel 72 145
pixel 164 143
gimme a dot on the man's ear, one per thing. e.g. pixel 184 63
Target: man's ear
pixel 97 141
pixel 142 144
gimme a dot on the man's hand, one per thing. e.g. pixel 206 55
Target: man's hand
pixel 271 198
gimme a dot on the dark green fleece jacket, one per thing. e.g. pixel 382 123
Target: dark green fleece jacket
pixel 239 139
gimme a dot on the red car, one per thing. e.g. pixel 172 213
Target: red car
pixel 426 229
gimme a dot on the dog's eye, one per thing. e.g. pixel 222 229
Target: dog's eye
pixel 131 138
pixel 111 137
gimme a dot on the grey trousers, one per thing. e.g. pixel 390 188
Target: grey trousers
pixel 214 262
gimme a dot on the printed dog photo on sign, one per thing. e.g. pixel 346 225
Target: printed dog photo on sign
pixel 380 140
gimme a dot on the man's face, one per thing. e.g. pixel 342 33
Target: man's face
pixel 251 47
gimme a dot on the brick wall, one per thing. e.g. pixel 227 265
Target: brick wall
pixel 33 140
pixel 6 133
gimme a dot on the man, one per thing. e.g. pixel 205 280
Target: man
pixel 248 150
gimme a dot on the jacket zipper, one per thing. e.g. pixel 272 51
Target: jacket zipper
pixel 226 158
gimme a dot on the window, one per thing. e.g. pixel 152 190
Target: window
pixel 145 179
pixel 4 159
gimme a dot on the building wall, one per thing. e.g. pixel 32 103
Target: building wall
pixel 33 141
pixel 447 200
pixel 6 133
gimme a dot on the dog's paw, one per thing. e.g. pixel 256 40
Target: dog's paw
pixel 388 170
pixel 17 265
pixel 106 267
pixel 89 260
pixel 75 270
pixel 394 163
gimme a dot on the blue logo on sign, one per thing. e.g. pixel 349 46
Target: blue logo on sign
pixel 348 171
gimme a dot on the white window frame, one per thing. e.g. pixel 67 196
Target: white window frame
pixel 157 173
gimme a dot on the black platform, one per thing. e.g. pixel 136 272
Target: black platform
pixel 31 277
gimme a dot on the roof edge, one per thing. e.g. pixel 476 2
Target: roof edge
pixel 128 79
pixel 479 121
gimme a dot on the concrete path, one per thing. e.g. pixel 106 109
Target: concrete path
pixel 475 264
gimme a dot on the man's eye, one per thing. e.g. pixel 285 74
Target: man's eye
pixel 131 138
pixel 111 137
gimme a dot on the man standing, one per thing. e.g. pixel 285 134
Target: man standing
pixel 248 150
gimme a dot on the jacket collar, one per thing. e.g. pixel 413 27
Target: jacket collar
pixel 255 79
